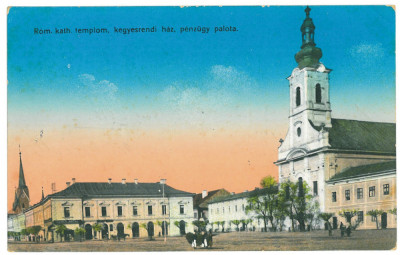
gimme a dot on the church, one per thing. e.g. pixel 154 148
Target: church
pixel 21 200
pixel 327 152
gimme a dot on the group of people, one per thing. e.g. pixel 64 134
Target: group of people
pixel 201 239
pixel 344 229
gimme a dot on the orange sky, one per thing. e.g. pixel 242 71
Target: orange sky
pixel 190 161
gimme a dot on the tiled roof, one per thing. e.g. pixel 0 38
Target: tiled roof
pixel 239 195
pixel 105 189
pixel 363 136
pixel 198 199
pixel 359 171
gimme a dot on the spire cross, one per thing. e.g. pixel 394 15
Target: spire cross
pixel 307 10
pixel 19 148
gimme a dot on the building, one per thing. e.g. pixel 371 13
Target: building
pixel 200 202
pixel 318 148
pixel 365 188
pixel 226 209
pixel 121 209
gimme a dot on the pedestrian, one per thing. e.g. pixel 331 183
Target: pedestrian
pixel 342 229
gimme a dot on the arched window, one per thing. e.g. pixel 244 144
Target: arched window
pixel 318 93
pixel 298 99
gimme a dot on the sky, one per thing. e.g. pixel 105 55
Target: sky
pixel 203 110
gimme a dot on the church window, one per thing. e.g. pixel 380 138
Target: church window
pixel 360 194
pixel 333 196
pixel 87 211
pixel 347 194
pixel 298 99
pixel 66 212
pixel 119 209
pixel 298 132
pixel 318 93
pixel 315 188
pixel 385 189
pixel 372 191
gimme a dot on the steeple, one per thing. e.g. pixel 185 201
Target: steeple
pixel 21 183
pixel 42 193
pixel 309 55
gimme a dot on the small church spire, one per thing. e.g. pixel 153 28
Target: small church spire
pixel 42 193
pixel 309 55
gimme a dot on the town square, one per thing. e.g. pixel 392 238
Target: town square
pixel 150 139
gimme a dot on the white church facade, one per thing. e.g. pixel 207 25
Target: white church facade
pixel 318 147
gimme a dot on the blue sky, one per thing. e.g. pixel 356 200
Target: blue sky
pixel 236 79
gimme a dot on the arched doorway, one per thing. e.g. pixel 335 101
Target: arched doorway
pixel 120 230
pixel 104 231
pixel 88 233
pixel 150 228
pixel 135 229
pixel 182 227
pixel 164 227
pixel 384 220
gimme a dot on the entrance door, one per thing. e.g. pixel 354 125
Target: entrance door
pixel 384 220
pixel 334 223
pixel 88 233
pixel 182 226
pixel 135 229
pixel 150 228
pixel 104 231
pixel 120 230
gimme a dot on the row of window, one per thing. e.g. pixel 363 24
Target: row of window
pixel 229 209
pixel 318 96
pixel 360 192
pixel 119 211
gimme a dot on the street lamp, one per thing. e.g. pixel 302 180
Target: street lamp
pixel 165 214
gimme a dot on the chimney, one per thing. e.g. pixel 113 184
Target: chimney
pixel 163 181
pixel 109 180
pixel 68 184
pixel 123 181
pixel 73 180
pixel 204 194
pixel 135 180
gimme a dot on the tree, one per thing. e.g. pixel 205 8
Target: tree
pixel 236 223
pixel 60 230
pixel 97 228
pixel 296 197
pixel 149 232
pixel 348 214
pixel 393 211
pixel 24 232
pixel 223 225
pixel 326 217
pixel 80 232
pixel 375 214
pixel 201 225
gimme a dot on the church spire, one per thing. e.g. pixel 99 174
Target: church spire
pixel 21 182
pixel 42 193
pixel 309 55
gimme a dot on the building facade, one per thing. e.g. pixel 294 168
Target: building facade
pixel 318 147
pixel 226 209
pixel 200 202
pixel 121 209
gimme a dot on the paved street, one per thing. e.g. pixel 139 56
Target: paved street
pixel 316 240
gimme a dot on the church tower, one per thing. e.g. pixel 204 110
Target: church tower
pixel 21 200
pixel 309 89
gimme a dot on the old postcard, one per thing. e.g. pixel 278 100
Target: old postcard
pixel 234 128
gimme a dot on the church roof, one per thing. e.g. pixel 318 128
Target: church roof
pixel 365 170
pixel 105 189
pixel 363 136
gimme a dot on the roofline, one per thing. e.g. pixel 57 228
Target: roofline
pixel 394 123
pixel 385 172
